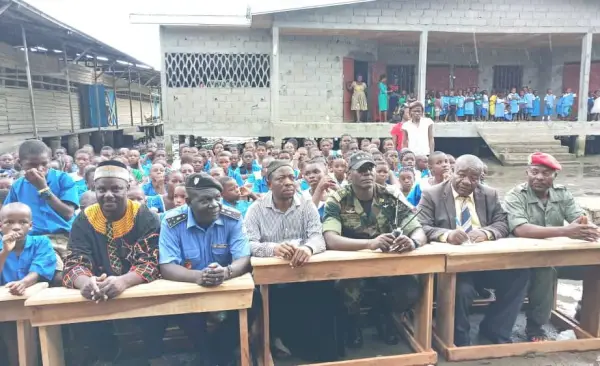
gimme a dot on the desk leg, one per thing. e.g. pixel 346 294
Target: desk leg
pixel 423 316
pixel 27 343
pixel 444 319
pixel 266 331
pixel 590 312
pixel 52 346
pixel 244 345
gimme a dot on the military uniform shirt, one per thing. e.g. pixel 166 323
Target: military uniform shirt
pixel 344 214
pixel 524 207
pixel 185 243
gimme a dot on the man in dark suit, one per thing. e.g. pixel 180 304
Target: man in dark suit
pixel 460 211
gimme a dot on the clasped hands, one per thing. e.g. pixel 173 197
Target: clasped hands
pixel 297 255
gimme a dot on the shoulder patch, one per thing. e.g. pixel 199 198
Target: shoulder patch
pixel 231 212
pixel 175 220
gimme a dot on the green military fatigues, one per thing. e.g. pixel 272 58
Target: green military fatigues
pixel 344 215
pixel 524 207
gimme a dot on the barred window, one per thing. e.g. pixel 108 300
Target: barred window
pixel 218 70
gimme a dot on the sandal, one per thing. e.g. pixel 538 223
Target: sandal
pixel 536 334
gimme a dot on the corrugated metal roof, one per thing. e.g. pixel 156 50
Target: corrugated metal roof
pixel 234 18
pixel 46 34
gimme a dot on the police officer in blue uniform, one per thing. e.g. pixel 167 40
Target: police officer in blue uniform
pixel 205 242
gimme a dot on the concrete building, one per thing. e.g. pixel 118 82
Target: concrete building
pixel 65 87
pixel 284 73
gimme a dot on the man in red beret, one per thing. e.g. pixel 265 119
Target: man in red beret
pixel 538 209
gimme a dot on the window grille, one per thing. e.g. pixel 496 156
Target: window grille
pixel 507 77
pixel 218 70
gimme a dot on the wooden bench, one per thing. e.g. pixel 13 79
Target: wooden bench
pixel 513 253
pixel 12 309
pixel 54 307
pixel 335 265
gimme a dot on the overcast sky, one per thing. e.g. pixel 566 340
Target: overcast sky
pixel 108 20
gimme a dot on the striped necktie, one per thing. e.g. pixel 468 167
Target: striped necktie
pixel 465 216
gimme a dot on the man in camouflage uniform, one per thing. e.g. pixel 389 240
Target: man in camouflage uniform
pixel 361 216
pixel 538 209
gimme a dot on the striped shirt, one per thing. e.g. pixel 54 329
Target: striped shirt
pixel 267 226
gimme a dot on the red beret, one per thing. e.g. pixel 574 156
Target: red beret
pixel 540 158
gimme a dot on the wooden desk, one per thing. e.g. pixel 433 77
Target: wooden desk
pixel 513 253
pixel 54 307
pixel 335 265
pixel 12 308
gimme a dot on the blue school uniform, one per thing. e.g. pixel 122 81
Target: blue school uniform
pixel 207 166
pixel 499 108
pixel 559 105
pixel 485 106
pixel 460 106
pixel 45 219
pixel 568 101
pixel 37 256
pixel 529 101
pixel 535 110
pixel 260 186
pixel 514 103
pixel 233 173
pixel 156 202
pixel 445 104
pixel 469 106
pixel 304 186
pixel 148 189
pixel 79 184
pixel 508 116
pixel 549 101
pixel 414 196
pixel 240 205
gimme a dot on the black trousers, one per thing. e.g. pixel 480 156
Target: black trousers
pixel 500 317
pixel 100 340
pixel 305 317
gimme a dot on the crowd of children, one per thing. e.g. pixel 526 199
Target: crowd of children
pixel 511 105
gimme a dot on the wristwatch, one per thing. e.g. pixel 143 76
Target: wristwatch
pixel 45 193
pixel 416 243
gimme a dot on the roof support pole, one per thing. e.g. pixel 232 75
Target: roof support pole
pixel 422 68
pixel 130 101
pixel 68 77
pixel 29 83
pixel 116 107
pixel 140 93
pixel 584 88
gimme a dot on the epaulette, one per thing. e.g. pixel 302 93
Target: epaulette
pixel 177 219
pixel 231 212
pixel 560 187
pixel 522 187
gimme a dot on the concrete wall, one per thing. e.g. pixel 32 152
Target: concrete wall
pixel 502 16
pixel 216 111
pixel 312 87
pixel 488 58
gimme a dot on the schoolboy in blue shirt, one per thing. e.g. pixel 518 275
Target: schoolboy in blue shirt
pixel 51 195
pixel 24 261
pixel 536 110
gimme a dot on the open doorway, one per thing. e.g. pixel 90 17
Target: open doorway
pixel 362 68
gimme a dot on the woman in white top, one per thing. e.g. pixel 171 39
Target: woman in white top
pixel 596 108
pixel 418 131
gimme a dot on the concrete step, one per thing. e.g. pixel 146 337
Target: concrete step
pixel 522 158
pixel 528 149
pixel 565 164
pixel 518 136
